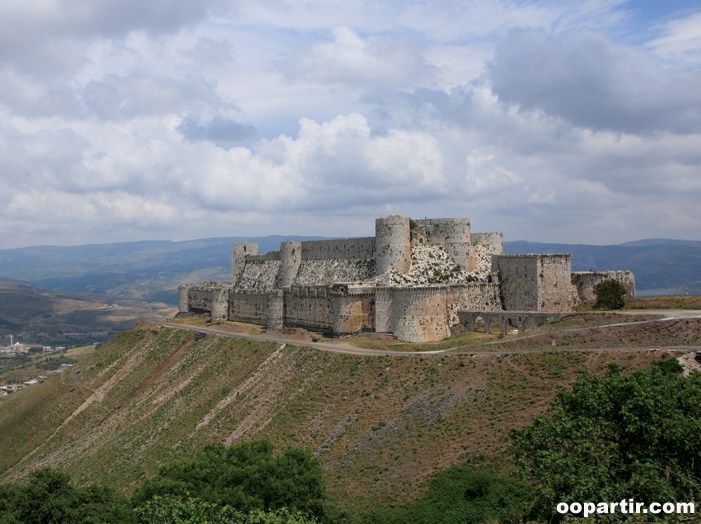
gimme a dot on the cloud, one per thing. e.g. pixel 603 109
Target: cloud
pixel 375 61
pixel 49 35
pixel 223 131
pixel 589 80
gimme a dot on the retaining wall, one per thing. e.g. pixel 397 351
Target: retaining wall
pixel 584 282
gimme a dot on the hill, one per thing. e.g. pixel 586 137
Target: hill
pixel 381 425
pixel 35 310
pixel 149 270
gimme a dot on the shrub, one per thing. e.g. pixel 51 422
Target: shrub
pixel 610 294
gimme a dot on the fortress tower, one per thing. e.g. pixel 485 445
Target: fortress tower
pixel 238 258
pixel 392 244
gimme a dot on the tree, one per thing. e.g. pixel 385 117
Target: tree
pixel 615 436
pixel 610 294
pixel 246 477
pixel 47 496
pixel 461 495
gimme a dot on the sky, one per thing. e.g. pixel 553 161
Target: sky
pixel 549 120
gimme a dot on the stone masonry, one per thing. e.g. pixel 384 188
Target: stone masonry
pixel 413 279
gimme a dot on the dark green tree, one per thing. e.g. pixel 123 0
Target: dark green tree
pixel 47 496
pixel 247 476
pixel 615 436
pixel 610 294
pixel 461 495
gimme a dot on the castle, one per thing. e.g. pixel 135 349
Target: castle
pixel 414 279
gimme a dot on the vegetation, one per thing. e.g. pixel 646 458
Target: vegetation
pixel 47 496
pixel 616 436
pixel 610 294
pixel 245 477
pixel 461 495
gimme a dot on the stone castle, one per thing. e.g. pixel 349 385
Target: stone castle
pixel 413 279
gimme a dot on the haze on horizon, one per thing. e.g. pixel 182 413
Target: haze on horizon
pixel 552 121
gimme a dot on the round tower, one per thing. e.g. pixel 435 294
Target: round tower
pixel 392 244
pixel 290 260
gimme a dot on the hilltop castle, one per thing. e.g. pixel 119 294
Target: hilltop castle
pixel 414 279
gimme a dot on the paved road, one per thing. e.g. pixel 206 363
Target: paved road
pixel 347 348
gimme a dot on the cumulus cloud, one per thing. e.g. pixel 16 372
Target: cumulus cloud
pixel 224 132
pixel 350 59
pixel 589 80
pixel 50 35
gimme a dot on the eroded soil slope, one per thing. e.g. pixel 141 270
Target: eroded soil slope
pixel 380 425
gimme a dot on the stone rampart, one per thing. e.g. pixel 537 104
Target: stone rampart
pixel 362 248
pixel 495 241
pixel 184 298
pixel 327 272
pixel 444 231
pixel 518 275
pixel 309 308
pixel 392 244
pixel 290 261
pixel 584 282
pixel 554 282
pixel 239 253
pixel 270 255
pixel 276 309
pixel 258 275
pixel 248 307
pixel 210 297
pixel 412 314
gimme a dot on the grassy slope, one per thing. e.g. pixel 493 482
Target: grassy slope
pixel 381 425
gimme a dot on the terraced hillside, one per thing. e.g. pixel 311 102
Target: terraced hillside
pixel 380 425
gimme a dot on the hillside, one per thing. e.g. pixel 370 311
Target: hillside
pixel 25 308
pixel 380 425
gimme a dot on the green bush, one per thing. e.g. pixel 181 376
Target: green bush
pixel 461 495
pixel 246 477
pixel 610 294
pixel 616 436
pixel 47 496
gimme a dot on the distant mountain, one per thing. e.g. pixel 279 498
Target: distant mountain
pixel 661 266
pixel 148 270
pixel 152 270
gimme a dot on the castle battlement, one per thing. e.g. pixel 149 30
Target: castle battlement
pixel 345 286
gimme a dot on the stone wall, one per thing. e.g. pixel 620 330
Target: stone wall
pixel 495 241
pixel 327 272
pixel 270 255
pixel 518 276
pixel 392 244
pixel 534 282
pixel 353 308
pixel 362 248
pixel 184 298
pixel 444 231
pixel 472 297
pixel 584 282
pixel 412 314
pixel 248 307
pixel 210 297
pixel 239 253
pixel 309 308
pixel 554 282
pixel 258 275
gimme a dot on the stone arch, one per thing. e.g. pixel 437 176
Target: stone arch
pixel 479 323
pixel 510 322
pixel 489 323
pixel 529 323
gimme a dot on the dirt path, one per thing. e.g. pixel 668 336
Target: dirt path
pixel 345 347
